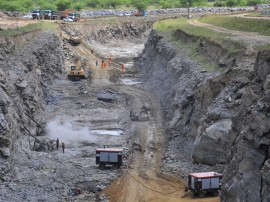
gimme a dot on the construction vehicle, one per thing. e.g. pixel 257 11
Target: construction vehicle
pixel 74 16
pixel 76 73
pixel 204 183
pixel 64 14
pixel 74 40
pixel 50 15
pixel 37 14
pixel 138 14
pixel 109 156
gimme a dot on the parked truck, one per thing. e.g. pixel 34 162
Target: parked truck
pixel 50 15
pixel 64 14
pixel 109 156
pixel 204 183
pixel 37 14
pixel 74 16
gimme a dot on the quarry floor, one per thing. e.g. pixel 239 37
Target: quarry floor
pixel 84 123
pixel 75 116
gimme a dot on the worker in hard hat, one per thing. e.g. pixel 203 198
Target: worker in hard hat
pixel 63 147
pixel 110 61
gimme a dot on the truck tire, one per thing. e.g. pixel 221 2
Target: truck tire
pixel 216 193
pixel 201 195
pixel 102 166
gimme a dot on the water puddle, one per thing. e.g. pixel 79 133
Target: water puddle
pixel 125 50
pixel 129 65
pixel 130 82
pixel 117 132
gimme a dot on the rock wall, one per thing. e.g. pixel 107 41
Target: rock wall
pixel 106 33
pixel 226 115
pixel 27 65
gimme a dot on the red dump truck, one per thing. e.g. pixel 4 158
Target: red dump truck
pixel 204 183
pixel 64 14
pixel 109 156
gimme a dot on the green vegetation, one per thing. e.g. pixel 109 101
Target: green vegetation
pixel 237 23
pixel 26 5
pixel 171 25
pixel 48 26
pixel 191 52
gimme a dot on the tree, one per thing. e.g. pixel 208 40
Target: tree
pixel 114 3
pixel 93 3
pixel 189 3
pixel 166 4
pixel 63 4
pixel 78 6
pixel 253 2
pixel 141 5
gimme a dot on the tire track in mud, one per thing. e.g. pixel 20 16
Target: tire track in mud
pixel 141 180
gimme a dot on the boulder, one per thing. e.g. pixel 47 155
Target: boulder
pixel 212 146
pixel 5 152
pixel 21 84
pixel 262 65
pixel 107 96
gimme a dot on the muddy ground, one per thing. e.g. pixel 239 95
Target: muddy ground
pixel 132 116
pixel 131 119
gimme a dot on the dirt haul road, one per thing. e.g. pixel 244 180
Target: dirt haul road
pixel 141 178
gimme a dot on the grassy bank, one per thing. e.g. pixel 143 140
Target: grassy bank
pixel 171 25
pixel 46 26
pixel 237 23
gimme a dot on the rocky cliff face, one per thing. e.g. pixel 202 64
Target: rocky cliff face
pixel 26 68
pixel 106 33
pixel 225 115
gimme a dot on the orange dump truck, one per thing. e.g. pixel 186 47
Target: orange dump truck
pixel 64 14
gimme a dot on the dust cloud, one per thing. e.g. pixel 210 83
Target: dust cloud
pixel 67 133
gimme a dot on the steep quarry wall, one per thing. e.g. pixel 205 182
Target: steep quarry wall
pixel 224 117
pixel 109 32
pixel 27 65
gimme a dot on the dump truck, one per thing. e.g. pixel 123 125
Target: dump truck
pixel 109 156
pixel 50 15
pixel 74 16
pixel 37 14
pixel 64 14
pixel 204 183
pixel 76 73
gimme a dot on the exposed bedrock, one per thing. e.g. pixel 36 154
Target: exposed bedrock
pixel 226 114
pixel 26 68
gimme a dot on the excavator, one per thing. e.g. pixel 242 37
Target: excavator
pixel 76 73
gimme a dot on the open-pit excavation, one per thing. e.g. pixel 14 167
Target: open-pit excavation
pixel 124 85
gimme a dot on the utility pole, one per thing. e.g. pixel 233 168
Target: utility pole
pixel 188 5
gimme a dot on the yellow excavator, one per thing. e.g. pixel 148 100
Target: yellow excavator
pixel 76 72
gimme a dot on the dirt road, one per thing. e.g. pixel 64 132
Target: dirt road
pixel 250 38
